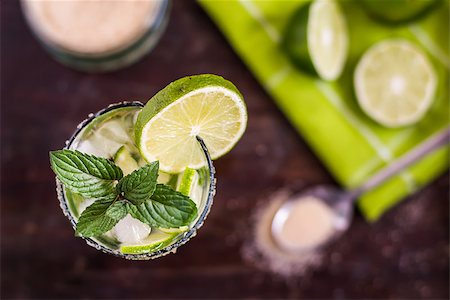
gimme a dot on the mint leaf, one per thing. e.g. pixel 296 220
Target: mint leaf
pixel 139 186
pixel 165 209
pixel 101 216
pixel 84 174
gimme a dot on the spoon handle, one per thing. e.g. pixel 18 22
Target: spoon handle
pixel 434 142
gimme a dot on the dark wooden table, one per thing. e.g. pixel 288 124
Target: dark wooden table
pixel 404 255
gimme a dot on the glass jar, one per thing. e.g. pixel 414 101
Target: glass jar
pixel 97 36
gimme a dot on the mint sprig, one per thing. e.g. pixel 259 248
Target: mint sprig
pixel 139 186
pixel 137 194
pixel 90 176
pixel 101 216
pixel 166 209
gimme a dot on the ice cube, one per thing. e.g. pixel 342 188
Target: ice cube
pixel 99 145
pixel 89 146
pixel 115 130
pixel 84 204
pixel 130 230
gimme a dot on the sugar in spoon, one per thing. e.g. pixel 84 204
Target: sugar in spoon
pixel 319 215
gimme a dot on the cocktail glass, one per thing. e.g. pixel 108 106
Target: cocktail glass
pixel 102 134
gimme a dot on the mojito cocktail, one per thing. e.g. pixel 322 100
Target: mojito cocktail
pixel 138 181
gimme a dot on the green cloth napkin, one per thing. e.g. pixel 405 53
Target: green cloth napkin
pixel 326 114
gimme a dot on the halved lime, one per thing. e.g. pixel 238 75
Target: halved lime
pixel 124 160
pixel 316 38
pixel 204 105
pixel 398 11
pixel 395 83
pixel 155 241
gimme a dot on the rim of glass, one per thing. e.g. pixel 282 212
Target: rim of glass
pixel 166 250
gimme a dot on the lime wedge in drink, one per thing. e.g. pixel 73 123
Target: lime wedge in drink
pixel 204 105
pixel 186 181
pixel 174 230
pixel 398 11
pixel 189 185
pixel 395 83
pixel 155 241
pixel 316 38
pixel 124 160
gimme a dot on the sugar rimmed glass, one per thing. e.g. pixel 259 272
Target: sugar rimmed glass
pixel 208 189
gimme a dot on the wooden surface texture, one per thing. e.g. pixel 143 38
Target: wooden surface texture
pixel 404 255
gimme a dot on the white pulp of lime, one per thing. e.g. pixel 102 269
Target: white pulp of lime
pixel 395 83
pixel 195 130
pixel 327 38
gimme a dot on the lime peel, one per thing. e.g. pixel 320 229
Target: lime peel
pixel 186 181
pixel 154 242
pixel 316 39
pixel 327 43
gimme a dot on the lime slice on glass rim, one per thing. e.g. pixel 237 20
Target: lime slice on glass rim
pixel 155 241
pixel 395 83
pixel 316 38
pixel 207 106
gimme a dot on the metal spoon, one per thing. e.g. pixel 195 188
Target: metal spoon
pixel 341 202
